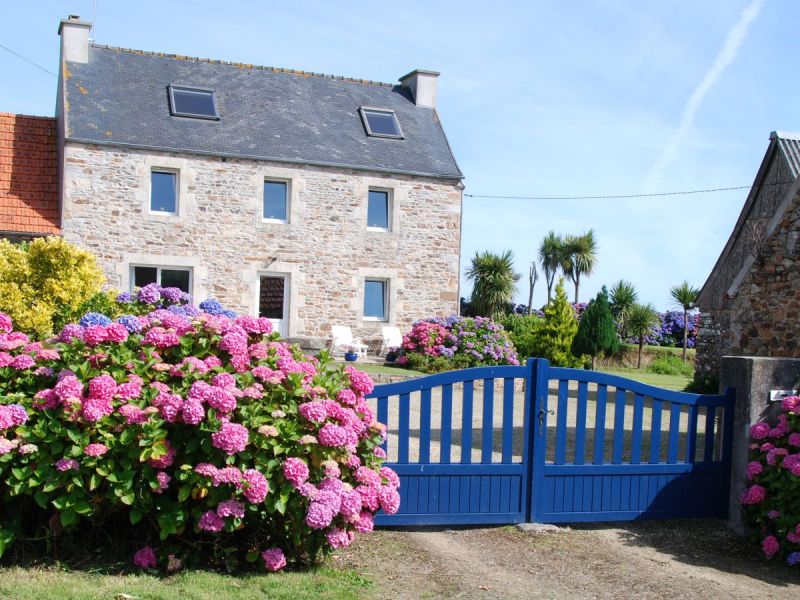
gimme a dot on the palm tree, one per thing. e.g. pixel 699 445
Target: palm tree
pixel 579 257
pixel 684 296
pixel 550 259
pixel 493 282
pixel 623 296
pixel 641 320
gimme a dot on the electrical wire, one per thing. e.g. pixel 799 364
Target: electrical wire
pixel 620 196
pixel 27 60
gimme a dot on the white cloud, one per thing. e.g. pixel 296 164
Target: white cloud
pixel 736 37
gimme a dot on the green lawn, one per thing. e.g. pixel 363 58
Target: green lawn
pixel 382 369
pixel 670 382
pixel 49 583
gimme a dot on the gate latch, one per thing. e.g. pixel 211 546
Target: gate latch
pixel 542 414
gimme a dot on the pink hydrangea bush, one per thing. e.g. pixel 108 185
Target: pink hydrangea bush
pixel 440 344
pixel 770 499
pixel 197 429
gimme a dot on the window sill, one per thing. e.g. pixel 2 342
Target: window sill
pixel 376 319
pixel 379 229
pixel 161 213
pixel 274 222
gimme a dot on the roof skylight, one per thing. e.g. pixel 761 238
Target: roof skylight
pixel 381 122
pixel 194 103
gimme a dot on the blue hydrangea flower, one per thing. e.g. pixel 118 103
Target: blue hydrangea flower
pixel 172 294
pixel 793 558
pixel 124 298
pixel 149 294
pixel 190 310
pixel 231 314
pixel 93 318
pixel 211 306
pixel 131 323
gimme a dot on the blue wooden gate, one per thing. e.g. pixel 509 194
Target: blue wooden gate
pixel 538 443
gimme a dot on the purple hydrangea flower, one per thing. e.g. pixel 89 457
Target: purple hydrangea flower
pixel 172 294
pixel 149 294
pixel 125 298
pixel 131 323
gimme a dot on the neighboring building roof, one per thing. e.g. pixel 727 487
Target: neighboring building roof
pixel 28 175
pixel 120 97
pixel 757 216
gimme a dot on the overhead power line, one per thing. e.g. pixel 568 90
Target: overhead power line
pixel 27 60
pixel 614 196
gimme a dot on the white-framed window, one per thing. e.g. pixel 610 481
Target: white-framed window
pixel 376 299
pixel 275 205
pixel 164 191
pixel 379 210
pixel 179 277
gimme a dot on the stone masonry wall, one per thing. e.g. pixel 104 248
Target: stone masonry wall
pixel 762 317
pixel 325 250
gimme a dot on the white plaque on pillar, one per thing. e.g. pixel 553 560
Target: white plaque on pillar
pixel 778 395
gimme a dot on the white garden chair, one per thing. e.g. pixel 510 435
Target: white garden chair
pixel 343 339
pixel 392 338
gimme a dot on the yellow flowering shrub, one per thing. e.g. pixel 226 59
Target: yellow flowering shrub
pixel 46 276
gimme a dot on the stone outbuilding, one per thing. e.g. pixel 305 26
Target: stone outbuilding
pixel 314 200
pixel 750 304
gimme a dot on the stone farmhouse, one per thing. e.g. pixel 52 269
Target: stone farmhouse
pixel 750 304
pixel 311 199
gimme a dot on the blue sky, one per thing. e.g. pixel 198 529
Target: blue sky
pixel 537 98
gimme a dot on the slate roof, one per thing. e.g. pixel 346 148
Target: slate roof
pixel 120 97
pixel 28 175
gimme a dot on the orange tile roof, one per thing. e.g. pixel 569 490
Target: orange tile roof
pixel 28 174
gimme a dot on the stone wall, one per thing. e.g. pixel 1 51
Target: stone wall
pixel 325 250
pixel 760 315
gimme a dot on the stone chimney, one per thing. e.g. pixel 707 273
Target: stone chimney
pixel 422 84
pixel 74 39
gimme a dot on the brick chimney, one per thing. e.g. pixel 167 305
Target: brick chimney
pixel 74 39
pixel 422 84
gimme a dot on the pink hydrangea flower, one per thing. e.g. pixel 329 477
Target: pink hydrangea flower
pixel 230 508
pixel 350 503
pixel 145 558
pixel 340 538
pixel 295 470
pixel 68 387
pixel 163 481
pixel 369 496
pixel 95 449
pixel 365 523
pixel 274 559
pixel 255 488
pixel 794 439
pixel 347 397
pixel 792 463
pixel 791 403
pixel 221 400
pixel 94 335
pixel 193 412
pixel 367 476
pixel 103 386
pixel 116 332
pixel 390 476
pixel 313 411
pixel 760 430
pixel 336 436
pixel 319 515
pixel 210 521
pixel 6 324
pixel 360 382
pixel 161 338
pixel 228 475
pixel 754 468
pixel 755 494
pixel 22 362
pixel 7 445
pixel 231 438
pixel 169 405
pixel 389 499
pixel 268 430
pixel 133 414
pixel 770 546
pixel 94 409
pixel 67 464
pixel 206 469
pixel 223 380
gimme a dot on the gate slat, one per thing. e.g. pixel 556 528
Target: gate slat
pixel 638 417
pixel 403 429
pixel 425 426
pixel 600 425
pixel 447 423
pixel 466 423
pixel 655 431
pixel 383 417
pixel 487 422
pixel 691 436
pixel 619 425
pixel 580 423
pixel 674 432
pixel 508 419
pixel 561 432
pixel 708 453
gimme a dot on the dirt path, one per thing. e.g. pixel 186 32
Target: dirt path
pixel 695 559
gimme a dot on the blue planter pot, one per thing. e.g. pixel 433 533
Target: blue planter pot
pixel 350 356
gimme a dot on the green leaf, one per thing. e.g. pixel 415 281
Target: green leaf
pixel 41 499
pixel 82 507
pixel 184 492
pixel 136 516
pixel 68 517
pixel 128 498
